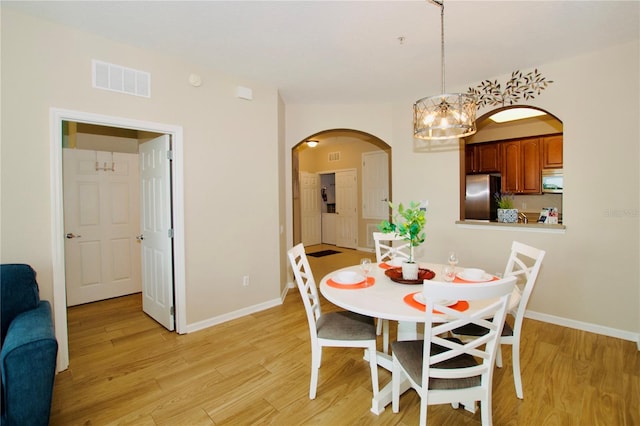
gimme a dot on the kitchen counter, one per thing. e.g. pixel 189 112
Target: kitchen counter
pixel 532 226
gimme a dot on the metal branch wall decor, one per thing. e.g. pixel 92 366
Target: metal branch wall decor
pixel 519 86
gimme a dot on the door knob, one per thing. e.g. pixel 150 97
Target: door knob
pixel 72 235
pixel 140 237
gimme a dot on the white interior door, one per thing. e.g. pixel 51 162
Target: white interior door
pixel 101 220
pixel 347 209
pixel 157 232
pixel 375 185
pixel 310 210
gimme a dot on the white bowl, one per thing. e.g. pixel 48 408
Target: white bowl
pixel 348 277
pixel 474 273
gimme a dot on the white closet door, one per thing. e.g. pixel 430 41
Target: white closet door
pixel 375 185
pixel 310 210
pixel 101 216
pixel 347 209
pixel 157 232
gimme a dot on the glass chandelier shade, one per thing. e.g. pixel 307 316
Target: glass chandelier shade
pixel 446 116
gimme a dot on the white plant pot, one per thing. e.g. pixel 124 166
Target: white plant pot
pixel 410 271
pixel 508 215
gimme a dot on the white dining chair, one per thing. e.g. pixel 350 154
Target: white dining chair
pixel 444 369
pixel 333 329
pixel 385 248
pixel 524 263
pixel 385 252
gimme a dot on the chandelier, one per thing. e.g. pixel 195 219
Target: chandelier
pixel 445 116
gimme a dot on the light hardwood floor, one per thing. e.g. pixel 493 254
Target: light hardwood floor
pixel 126 369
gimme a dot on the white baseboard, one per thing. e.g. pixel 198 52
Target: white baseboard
pixel 551 319
pixel 284 292
pixel 585 326
pixel 366 249
pixel 201 325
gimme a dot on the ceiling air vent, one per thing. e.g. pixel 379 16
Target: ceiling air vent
pixel 117 78
pixel 334 156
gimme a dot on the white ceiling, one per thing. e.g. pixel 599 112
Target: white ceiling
pixel 348 51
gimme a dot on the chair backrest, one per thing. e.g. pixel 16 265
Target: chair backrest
pixel 18 293
pixel 306 285
pixel 385 250
pixel 524 264
pixel 494 298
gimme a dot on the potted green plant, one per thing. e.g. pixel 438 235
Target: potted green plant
pixel 506 212
pixel 408 223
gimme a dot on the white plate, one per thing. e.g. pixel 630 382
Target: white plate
pixel 419 297
pixel 348 277
pixel 485 278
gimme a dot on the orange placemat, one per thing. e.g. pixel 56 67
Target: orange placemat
pixel 461 306
pixel 370 281
pixel 385 266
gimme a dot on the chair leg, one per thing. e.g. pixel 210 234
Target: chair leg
pixel 423 410
pixel 499 356
pixel 373 363
pixel 396 377
pixel 485 411
pixel 517 378
pixel 379 326
pixel 316 355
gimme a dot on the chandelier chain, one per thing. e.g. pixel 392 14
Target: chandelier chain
pixel 445 116
pixel 442 43
pixel 440 4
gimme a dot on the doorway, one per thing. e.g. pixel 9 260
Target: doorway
pixel 101 189
pixel 340 154
pixel 176 207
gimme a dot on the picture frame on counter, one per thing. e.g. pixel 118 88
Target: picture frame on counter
pixel 548 215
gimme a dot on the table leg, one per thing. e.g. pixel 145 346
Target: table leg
pixel 406 331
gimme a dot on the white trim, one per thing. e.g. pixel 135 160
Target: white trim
pixel 57 116
pixel 585 326
pixel 201 325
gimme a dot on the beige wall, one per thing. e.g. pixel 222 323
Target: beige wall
pixel 231 177
pixel 590 277
pixel 591 273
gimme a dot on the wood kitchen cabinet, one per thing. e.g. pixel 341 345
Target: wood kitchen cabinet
pixel 552 152
pixel 521 169
pixel 483 158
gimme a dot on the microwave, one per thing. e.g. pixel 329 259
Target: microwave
pixel 552 181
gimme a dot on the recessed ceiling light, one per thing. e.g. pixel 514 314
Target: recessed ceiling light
pixel 515 114
pixel 312 144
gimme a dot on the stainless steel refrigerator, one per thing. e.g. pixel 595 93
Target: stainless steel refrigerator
pixel 480 203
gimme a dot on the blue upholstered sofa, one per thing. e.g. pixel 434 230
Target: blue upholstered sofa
pixel 29 348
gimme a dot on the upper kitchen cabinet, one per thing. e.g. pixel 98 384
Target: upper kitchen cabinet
pixel 552 152
pixel 483 158
pixel 521 166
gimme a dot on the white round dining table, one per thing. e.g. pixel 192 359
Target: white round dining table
pixel 385 299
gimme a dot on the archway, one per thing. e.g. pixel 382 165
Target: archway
pixel 338 151
pixel 484 153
